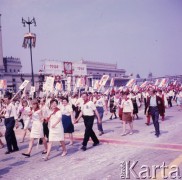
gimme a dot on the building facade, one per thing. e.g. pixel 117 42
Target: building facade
pixel 98 69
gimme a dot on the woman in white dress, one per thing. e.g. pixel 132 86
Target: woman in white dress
pixel 37 128
pixel 56 132
pixel 25 111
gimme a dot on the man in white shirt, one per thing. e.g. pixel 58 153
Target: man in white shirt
pixel 10 117
pixel 88 112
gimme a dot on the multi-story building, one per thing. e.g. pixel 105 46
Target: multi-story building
pixel 12 65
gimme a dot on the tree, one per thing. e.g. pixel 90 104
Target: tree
pixel 138 76
pixel 150 75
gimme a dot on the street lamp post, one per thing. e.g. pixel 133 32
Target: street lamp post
pixel 30 37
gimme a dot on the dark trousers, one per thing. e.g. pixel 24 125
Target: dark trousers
pixel 46 129
pixel 170 101
pixel 101 112
pixel 89 121
pixel 22 123
pixel 154 112
pixel 10 134
pixel 77 111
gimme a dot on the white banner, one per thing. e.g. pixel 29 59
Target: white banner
pixel 57 68
pixel 53 67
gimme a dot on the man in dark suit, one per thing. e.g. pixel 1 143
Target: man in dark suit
pixel 154 104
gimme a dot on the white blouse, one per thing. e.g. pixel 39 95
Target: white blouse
pixel 66 110
pixel 127 105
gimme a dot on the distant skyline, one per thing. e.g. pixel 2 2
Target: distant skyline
pixel 141 36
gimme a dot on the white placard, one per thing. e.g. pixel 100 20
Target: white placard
pixel 163 83
pixel 3 84
pixel 68 80
pixel 112 82
pixel 96 85
pixel 24 84
pixel 80 82
pixel 49 83
pixel 103 80
pixel 32 89
pixel 58 86
pixel 144 84
pixel 79 69
pixel 68 87
pixel 130 83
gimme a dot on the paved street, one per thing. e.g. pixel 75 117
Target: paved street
pixel 103 161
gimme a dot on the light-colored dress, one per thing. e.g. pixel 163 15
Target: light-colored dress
pixel 56 133
pixel 26 118
pixel 37 127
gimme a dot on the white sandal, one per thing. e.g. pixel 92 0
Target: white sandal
pixel 64 153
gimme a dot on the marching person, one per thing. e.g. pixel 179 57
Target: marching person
pixel 88 109
pixel 135 105
pixel 1 144
pixel 37 128
pixel 56 132
pixel 101 108
pixel 146 96
pixel 154 104
pixel 10 118
pixel 127 116
pixel 164 103
pixel 76 102
pixel 45 111
pixel 26 118
pixel 67 119
pixel 112 107
pixel 170 97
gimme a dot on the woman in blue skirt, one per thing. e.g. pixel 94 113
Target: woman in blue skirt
pixel 67 119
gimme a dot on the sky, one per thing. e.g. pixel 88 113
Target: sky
pixel 141 36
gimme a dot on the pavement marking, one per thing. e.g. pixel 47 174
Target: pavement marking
pixel 140 144
pixel 175 162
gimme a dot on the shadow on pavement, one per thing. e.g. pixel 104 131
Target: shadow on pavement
pixel 7 159
pixel 108 131
pixel 19 163
pixel 4 171
pixel 167 118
